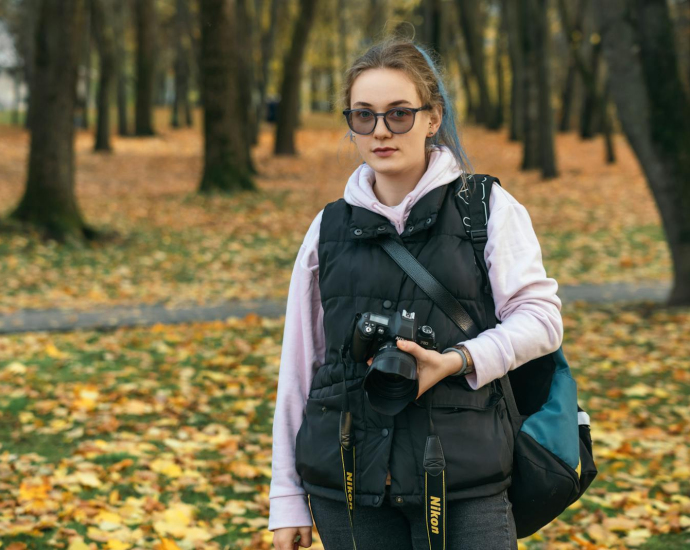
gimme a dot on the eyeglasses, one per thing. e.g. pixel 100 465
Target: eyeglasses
pixel 398 120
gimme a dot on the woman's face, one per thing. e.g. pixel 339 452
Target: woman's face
pixel 381 90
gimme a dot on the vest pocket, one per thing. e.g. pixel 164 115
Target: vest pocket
pixel 317 448
pixel 476 437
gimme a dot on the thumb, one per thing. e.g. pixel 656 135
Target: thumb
pixel 409 347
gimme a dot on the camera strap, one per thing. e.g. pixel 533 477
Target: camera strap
pixel 347 451
pixel 428 283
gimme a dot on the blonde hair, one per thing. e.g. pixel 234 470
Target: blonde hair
pixel 403 54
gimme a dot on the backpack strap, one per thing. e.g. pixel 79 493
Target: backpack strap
pixel 475 211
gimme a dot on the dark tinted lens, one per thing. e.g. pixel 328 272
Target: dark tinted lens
pixel 362 121
pixel 400 120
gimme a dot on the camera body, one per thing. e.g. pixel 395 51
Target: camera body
pixel 391 380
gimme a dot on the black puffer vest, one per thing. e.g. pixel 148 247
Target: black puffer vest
pixel 356 275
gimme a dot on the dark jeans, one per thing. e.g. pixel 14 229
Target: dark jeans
pixel 484 523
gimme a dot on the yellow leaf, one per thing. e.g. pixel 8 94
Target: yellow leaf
pixel 166 467
pixel 638 390
pixel 108 521
pixel 16 368
pixel 77 543
pixel 671 487
pixel 114 544
pixel 598 533
pixel 33 489
pixel 682 472
pixel 88 479
pixel 685 522
pixel 619 523
pixel 167 544
pixel 52 351
pixel 638 537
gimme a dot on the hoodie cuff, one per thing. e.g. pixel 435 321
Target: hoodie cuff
pixel 289 511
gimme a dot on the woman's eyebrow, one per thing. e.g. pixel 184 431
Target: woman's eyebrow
pixel 391 104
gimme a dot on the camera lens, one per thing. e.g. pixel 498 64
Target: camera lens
pixel 391 381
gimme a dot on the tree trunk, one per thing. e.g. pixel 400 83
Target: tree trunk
pixel 530 45
pixel 226 166
pixel 247 84
pixel 567 97
pixel 500 75
pixel 573 30
pixel 85 100
pixel 267 51
pixel 288 112
pixel 181 106
pixel 377 18
pixel 120 24
pixel 655 115
pixel 101 16
pixel 517 96
pixel 457 51
pixel 590 117
pixel 49 201
pixel 29 22
pixel 430 30
pixel 472 110
pixel 17 80
pixel 607 125
pixel 342 7
pixel 547 153
pixel 146 71
pixel 472 30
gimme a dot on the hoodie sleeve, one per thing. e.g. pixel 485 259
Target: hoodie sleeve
pixel 302 353
pixel 525 298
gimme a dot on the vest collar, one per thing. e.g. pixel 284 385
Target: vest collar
pixel 366 224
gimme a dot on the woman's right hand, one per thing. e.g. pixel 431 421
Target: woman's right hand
pixel 284 538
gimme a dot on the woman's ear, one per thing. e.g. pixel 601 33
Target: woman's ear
pixel 436 117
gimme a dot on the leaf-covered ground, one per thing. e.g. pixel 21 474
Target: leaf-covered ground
pixel 161 438
pixel 596 222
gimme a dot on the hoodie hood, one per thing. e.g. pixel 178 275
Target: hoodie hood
pixel 442 169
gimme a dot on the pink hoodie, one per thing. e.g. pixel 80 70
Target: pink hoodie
pixel 525 300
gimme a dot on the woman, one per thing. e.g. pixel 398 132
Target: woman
pixel 413 165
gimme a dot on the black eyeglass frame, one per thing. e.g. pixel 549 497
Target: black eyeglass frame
pixel 346 112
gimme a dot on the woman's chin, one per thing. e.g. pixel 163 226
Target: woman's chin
pixel 385 165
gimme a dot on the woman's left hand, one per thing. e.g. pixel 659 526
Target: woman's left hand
pixel 432 366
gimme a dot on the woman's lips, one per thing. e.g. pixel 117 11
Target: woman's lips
pixel 384 152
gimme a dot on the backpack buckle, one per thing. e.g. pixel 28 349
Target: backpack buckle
pixel 478 236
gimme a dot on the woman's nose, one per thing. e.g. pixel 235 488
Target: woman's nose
pixel 381 131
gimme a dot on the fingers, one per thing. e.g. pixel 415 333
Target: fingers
pixel 284 538
pixel 305 539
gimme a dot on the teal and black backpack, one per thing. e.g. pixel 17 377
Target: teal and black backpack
pixel 553 463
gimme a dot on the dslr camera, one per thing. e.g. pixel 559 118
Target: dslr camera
pixel 391 380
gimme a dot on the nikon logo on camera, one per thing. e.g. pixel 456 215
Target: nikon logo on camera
pixel 349 489
pixel 435 508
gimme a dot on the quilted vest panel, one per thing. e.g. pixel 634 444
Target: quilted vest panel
pixel 355 276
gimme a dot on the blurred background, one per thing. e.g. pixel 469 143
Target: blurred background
pixel 160 163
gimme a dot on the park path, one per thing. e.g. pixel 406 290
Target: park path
pixel 64 320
